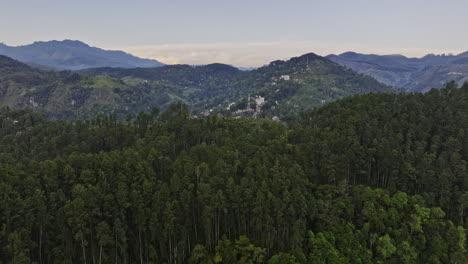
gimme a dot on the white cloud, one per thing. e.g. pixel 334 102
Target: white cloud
pixel 257 53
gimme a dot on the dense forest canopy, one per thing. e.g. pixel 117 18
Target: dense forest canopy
pixel 376 178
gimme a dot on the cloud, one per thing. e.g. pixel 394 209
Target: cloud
pixel 239 54
pixel 256 53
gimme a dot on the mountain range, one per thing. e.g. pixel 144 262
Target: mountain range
pixel 114 81
pixel 410 74
pixel 72 55
pixel 282 88
pixel 407 74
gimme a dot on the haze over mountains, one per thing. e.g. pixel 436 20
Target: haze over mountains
pixel 114 81
pixel 410 74
pixel 73 55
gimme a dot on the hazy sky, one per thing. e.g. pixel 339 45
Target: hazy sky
pixel 241 32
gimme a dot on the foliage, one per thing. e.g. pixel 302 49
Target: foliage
pixel 377 178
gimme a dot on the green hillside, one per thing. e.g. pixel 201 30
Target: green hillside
pixel 68 95
pixel 287 88
pixel 306 82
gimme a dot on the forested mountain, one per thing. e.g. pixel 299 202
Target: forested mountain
pixel 375 178
pixel 72 55
pixel 286 88
pixel 64 95
pixel 410 74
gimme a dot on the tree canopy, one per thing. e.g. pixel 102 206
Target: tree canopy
pixel 377 178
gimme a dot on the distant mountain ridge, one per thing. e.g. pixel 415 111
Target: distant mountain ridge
pixel 73 55
pixel 410 74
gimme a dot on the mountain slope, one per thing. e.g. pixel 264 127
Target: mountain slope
pixel 291 86
pixel 282 88
pixel 308 81
pixel 68 95
pixel 73 55
pixel 411 74
pixel 15 78
pixel 64 95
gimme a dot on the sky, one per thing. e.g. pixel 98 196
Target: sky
pixel 246 33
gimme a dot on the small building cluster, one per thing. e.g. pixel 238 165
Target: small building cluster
pixel 259 102
pixel 33 103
